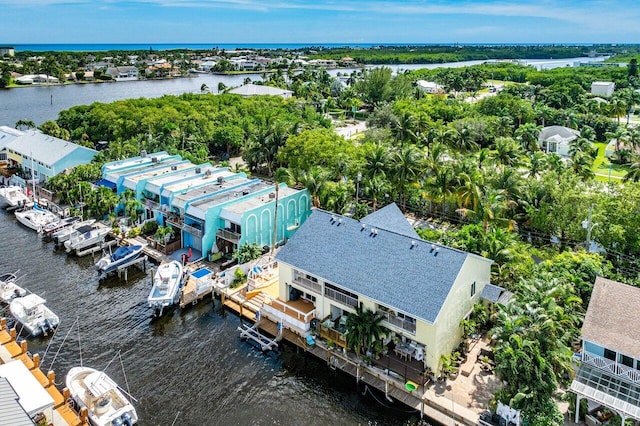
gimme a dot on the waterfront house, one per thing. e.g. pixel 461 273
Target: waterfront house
pixel 37 79
pixel 215 210
pixel 423 290
pixel 557 139
pixel 258 90
pixel 609 374
pixel 127 73
pixel 46 155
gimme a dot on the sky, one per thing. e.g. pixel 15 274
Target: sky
pixel 319 21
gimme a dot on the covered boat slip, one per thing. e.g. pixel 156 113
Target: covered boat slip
pixel 612 392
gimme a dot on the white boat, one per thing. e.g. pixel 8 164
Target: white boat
pixel 119 257
pixel 52 227
pixel 105 402
pixel 64 234
pixel 166 286
pixel 87 239
pixel 35 317
pixel 13 196
pixel 36 218
pixel 9 290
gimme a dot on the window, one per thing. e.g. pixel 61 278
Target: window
pixel 311 278
pixel 309 297
pixel 609 354
pixel 625 360
pixel 473 289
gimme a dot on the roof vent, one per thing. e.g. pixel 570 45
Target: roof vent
pixel 374 232
pixel 208 172
pixel 154 159
pixel 174 168
pixel 198 170
pixel 437 251
pixel 235 194
pixel 333 219
pixel 245 192
pixel 413 244
pixel 339 221
pixel 433 247
pixel 363 227
pixel 143 154
pixel 220 180
pixel 272 195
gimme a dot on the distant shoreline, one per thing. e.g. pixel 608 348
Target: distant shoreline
pixel 105 47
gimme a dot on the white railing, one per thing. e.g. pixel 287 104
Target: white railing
pixel 307 283
pixel 289 315
pixel 394 320
pixel 340 297
pixel 620 370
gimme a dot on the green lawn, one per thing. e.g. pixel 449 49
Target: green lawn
pixel 602 165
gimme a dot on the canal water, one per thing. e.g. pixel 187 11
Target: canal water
pixel 40 104
pixel 190 365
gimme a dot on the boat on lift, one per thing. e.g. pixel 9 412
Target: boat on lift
pixel 105 402
pixel 34 315
pixel 166 286
pixel 9 290
pixel 64 234
pixel 36 217
pixel 13 196
pixel 49 229
pixel 122 255
pixel 87 239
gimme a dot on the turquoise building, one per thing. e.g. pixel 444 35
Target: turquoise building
pixel 214 210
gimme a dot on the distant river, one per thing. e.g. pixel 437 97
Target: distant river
pixel 40 104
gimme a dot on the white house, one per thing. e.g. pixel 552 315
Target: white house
pixel 258 89
pixel 123 73
pixel 429 86
pixel 36 79
pixel 602 88
pixel 557 139
pixel 609 375
pixel 7 50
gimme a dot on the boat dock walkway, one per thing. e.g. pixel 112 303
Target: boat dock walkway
pixel 61 413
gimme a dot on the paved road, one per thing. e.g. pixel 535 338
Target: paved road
pixel 351 130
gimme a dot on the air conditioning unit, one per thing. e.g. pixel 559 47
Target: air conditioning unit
pixel 174 168
pixel 220 180
pixel 272 195
pixel 198 170
pixel 154 159
pixel 143 154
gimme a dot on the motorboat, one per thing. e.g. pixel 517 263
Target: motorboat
pixel 36 217
pixel 13 196
pixel 87 239
pixel 52 227
pixel 64 234
pixel 35 317
pixel 104 400
pixel 166 286
pixel 9 290
pixel 119 257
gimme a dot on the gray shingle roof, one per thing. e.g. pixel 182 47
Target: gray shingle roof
pixel 44 148
pixel 612 317
pixel 410 275
pixel 12 413
pixel 392 219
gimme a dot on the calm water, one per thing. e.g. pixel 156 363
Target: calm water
pixel 189 364
pixel 40 104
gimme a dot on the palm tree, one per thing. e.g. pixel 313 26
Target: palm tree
pixel 537 163
pixel 315 181
pixel 406 167
pixel 364 328
pixel 508 152
pixel 404 127
pixel 633 175
pixel 528 134
pixel 375 189
pixel 376 162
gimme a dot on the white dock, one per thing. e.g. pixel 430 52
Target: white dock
pixel 253 333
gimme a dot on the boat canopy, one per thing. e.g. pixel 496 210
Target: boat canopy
pixel 122 252
pixel 98 383
pixel 30 301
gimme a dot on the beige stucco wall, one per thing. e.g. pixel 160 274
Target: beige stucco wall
pixel 439 338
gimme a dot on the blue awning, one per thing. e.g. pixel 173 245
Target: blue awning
pixel 105 183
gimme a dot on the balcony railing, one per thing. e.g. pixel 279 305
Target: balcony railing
pixel 342 298
pixel 175 220
pixel 396 321
pixel 620 370
pixel 340 339
pixel 225 234
pixel 152 205
pixel 305 282
pixel 196 232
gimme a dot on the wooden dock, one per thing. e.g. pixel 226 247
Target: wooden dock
pixel 253 333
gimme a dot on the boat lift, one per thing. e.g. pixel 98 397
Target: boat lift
pixel 140 263
pixel 253 333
